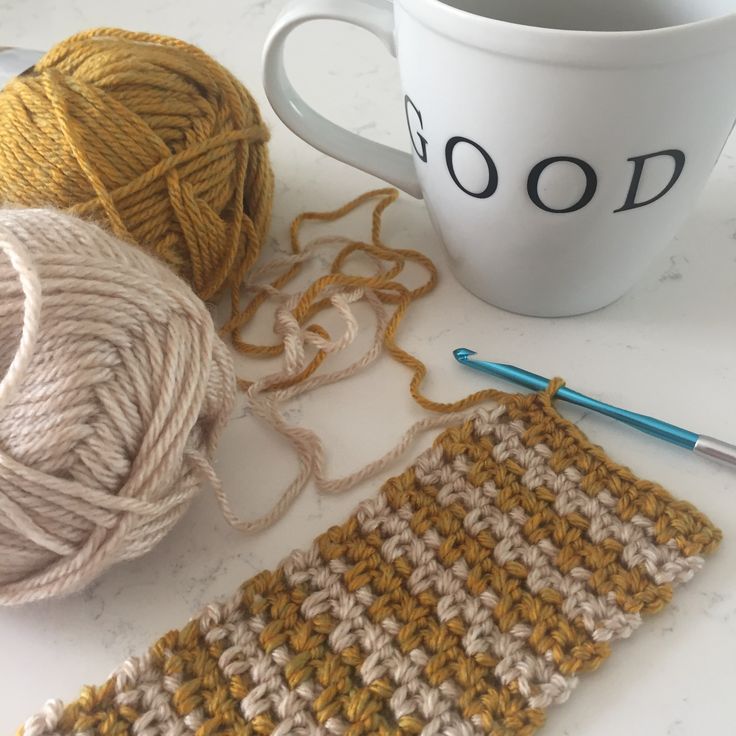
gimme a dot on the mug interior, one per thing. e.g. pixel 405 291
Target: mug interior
pixel 597 15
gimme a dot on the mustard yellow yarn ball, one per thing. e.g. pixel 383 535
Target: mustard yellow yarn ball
pixel 149 137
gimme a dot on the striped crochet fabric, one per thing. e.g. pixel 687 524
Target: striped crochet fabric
pixel 463 600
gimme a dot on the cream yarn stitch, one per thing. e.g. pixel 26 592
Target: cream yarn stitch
pixel 115 390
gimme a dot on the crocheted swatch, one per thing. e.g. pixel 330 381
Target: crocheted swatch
pixel 463 600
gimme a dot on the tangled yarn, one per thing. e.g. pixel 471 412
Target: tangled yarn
pixel 115 390
pixel 150 137
pixel 307 348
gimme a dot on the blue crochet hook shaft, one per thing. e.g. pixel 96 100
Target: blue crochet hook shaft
pixel 701 444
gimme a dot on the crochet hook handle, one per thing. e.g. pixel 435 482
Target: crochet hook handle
pixel 700 444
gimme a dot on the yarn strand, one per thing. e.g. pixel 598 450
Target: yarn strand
pixel 338 290
pixel 22 264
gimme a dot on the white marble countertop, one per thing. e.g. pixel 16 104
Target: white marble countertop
pixel 668 348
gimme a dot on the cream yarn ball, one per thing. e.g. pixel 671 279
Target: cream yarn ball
pixel 115 389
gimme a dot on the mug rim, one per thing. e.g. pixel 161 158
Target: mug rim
pixel 573 46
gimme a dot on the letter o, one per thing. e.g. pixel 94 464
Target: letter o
pixel 591 183
pixel 492 171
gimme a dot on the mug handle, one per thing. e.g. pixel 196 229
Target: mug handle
pixel 376 16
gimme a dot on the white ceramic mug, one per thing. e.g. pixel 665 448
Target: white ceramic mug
pixel 559 144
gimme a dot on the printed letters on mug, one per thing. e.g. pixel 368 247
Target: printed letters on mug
pixel 423 153
pixel 591 178
pixel 639 162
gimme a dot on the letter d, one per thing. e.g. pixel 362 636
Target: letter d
pixel 639 163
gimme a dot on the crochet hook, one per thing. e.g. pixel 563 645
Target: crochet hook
pixel 701 444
